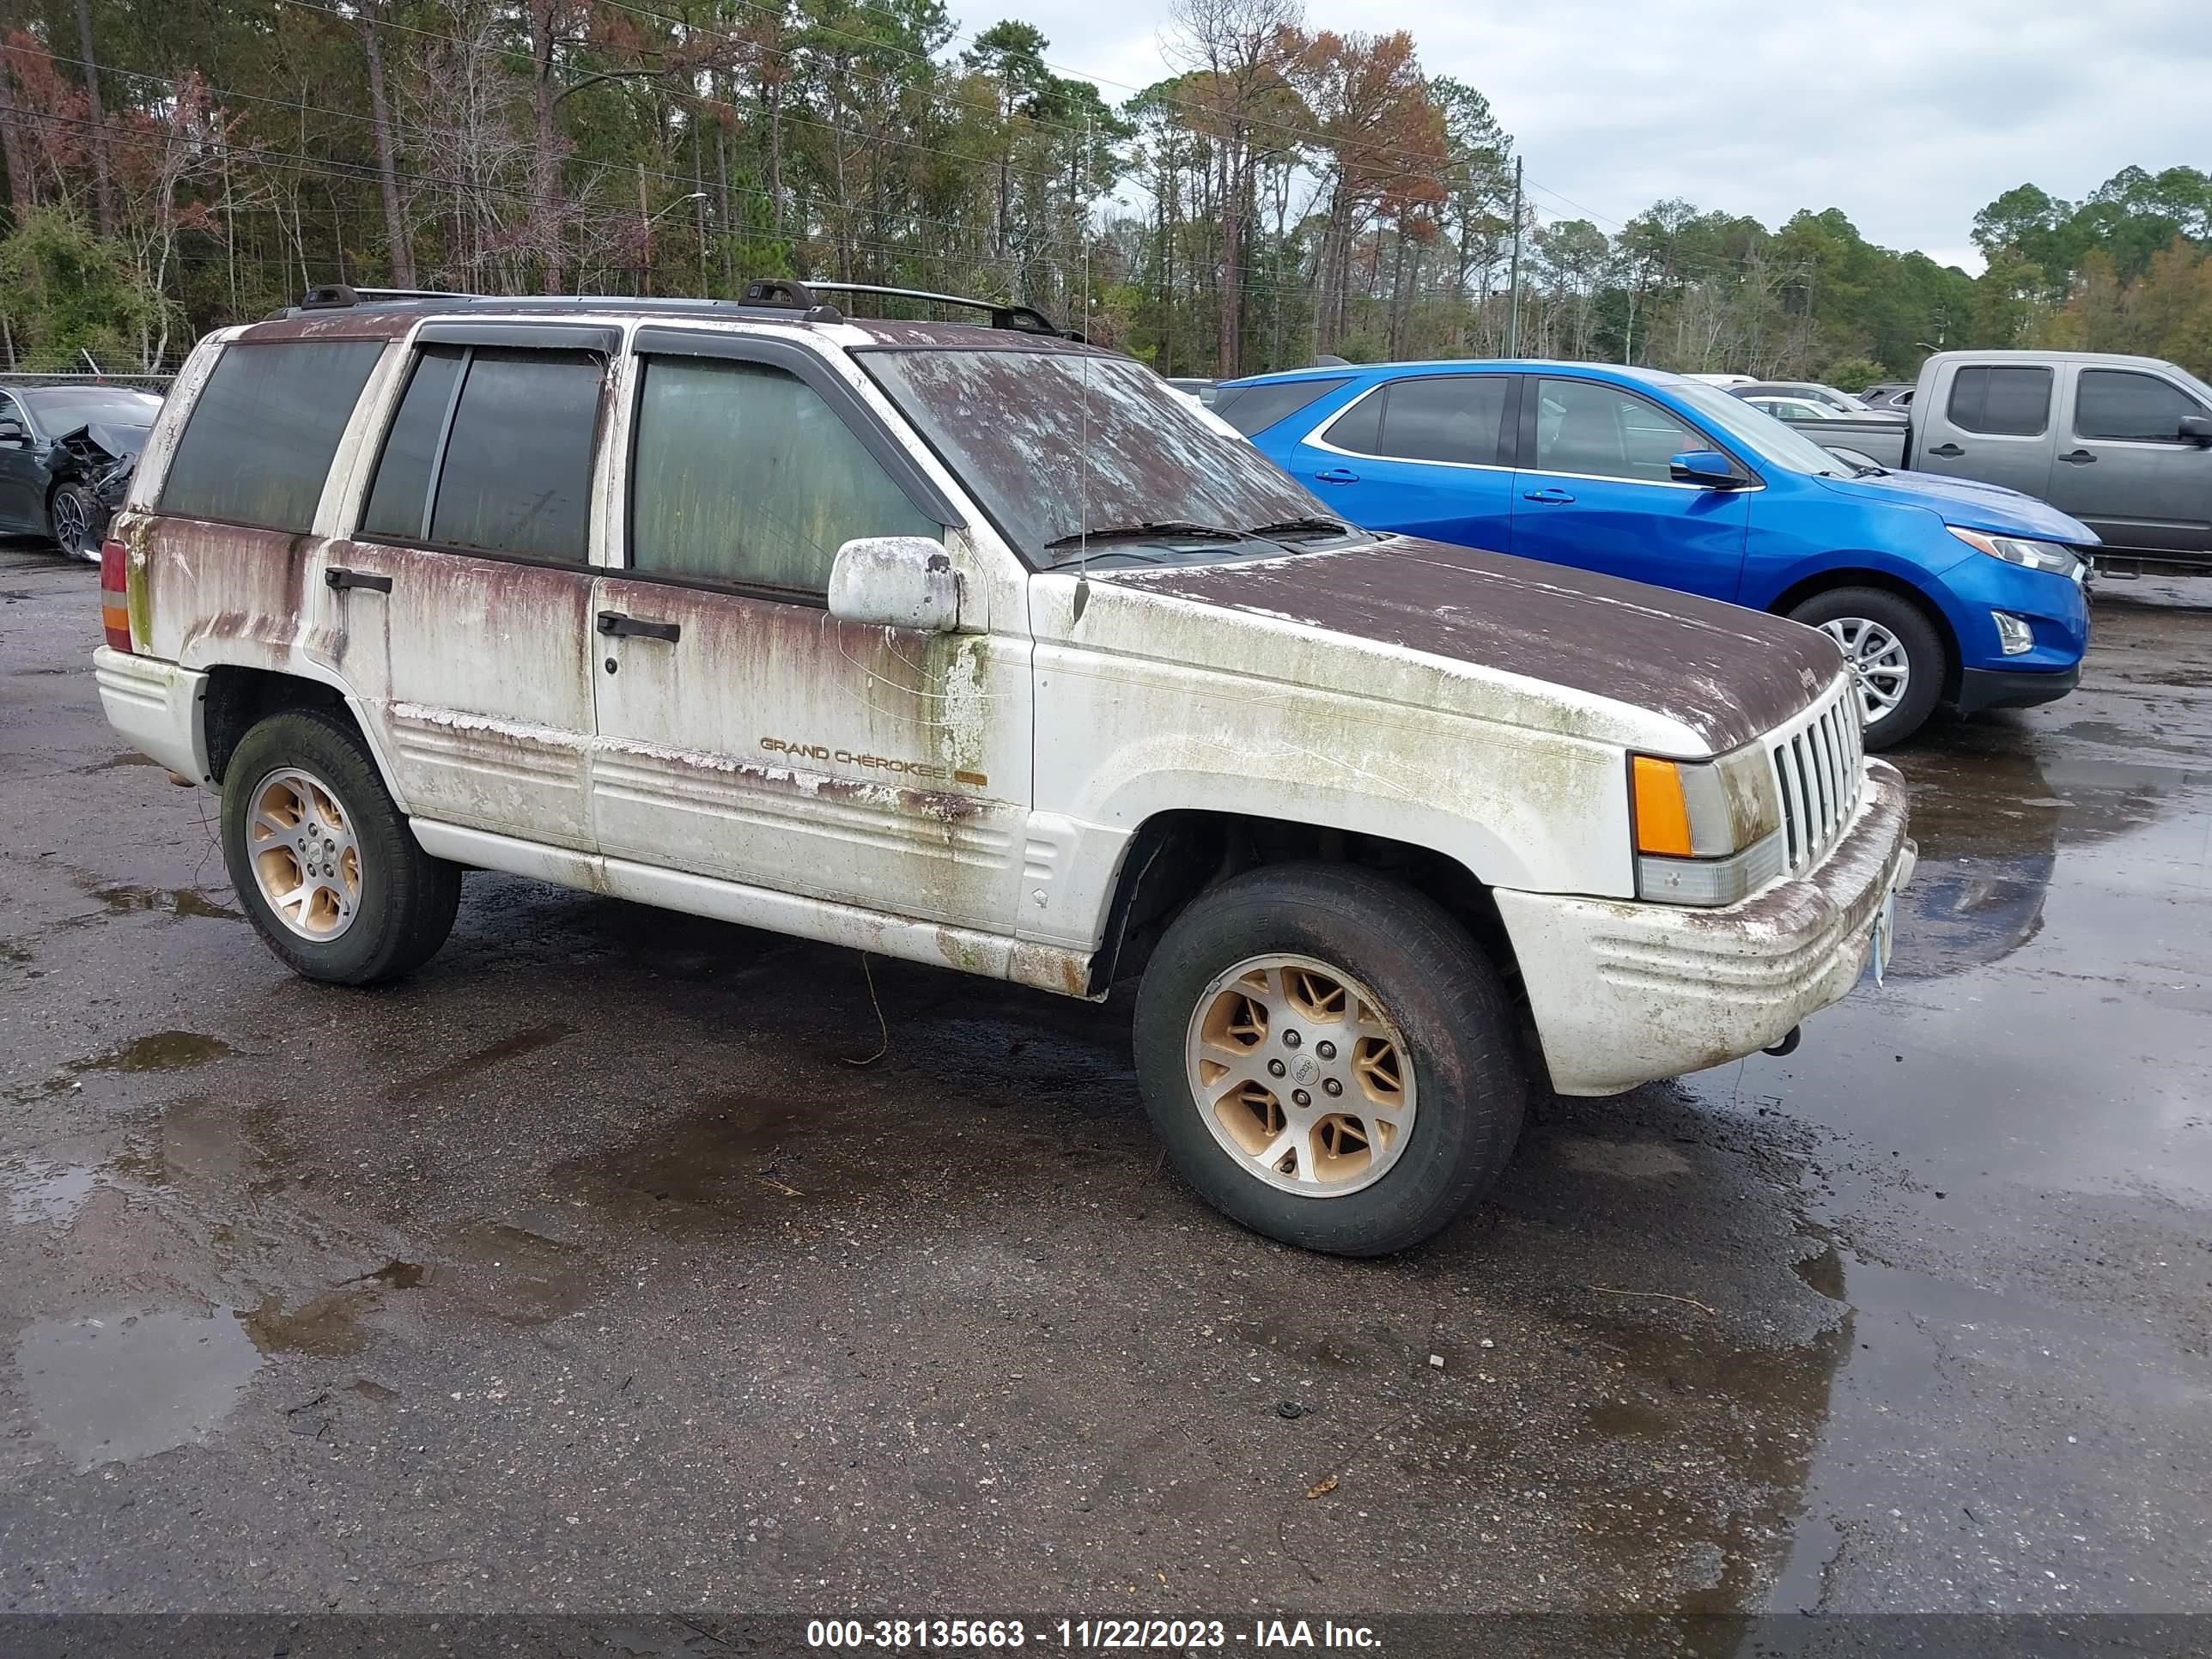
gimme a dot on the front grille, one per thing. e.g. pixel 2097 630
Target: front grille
pixel 1818 763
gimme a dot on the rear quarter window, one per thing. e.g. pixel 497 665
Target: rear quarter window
pixel 259 441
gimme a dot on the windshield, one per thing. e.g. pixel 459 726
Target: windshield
pixel 62 406
pixel 1757 431
pixel 1040 435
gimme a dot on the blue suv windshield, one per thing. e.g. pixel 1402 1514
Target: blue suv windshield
pixel 1758 431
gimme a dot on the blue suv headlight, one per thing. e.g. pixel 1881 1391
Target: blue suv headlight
pixel 2018 549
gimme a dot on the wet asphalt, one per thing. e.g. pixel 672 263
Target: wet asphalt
pixel 619 1262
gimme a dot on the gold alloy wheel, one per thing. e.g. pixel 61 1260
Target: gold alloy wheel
pixel 1300 1074
pixel 299 840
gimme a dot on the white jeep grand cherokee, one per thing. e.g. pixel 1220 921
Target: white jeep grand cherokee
pixel 972 645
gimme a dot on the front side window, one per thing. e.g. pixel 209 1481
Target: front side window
pixel 259 440
pixel 742 473
pixel 491 453
pixel 2001 401
pixel 2114 403
pixel 1602 432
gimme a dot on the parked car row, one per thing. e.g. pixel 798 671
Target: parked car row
pixel 1935 590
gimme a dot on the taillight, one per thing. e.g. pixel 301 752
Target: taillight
pixel 114 596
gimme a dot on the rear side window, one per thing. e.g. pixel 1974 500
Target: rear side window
pixel 743 474
pixel 259 441
pixel 1448 417
pixel 2113 402
pixel 1253 408
pixel 2004 402
pixel 491 453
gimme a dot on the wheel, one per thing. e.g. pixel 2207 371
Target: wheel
pixel 1893 649
pixel 1329 1058
pixel 324 862
pixel 72 512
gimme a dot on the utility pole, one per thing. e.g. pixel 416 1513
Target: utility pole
pixel 645 232
pixel 1513 285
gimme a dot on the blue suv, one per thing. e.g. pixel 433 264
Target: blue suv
pixel 1937 589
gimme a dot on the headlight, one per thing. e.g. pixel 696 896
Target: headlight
pixel 1707 832
pixel 2015 550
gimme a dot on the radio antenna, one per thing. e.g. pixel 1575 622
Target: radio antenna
pixel 1082 371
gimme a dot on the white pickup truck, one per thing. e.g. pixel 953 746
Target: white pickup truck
pixel 972 645
pixel 2123 444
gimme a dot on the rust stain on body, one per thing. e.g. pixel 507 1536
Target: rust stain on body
pixel 1728 674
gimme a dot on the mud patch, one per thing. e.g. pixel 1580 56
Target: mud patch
pixel 738 1155
pixel 163 1051
pixel 116 763
pixel 127 1385
pixel 1625 1160
pixel 329 1325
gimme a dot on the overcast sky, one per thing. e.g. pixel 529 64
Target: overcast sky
pixel 1909 115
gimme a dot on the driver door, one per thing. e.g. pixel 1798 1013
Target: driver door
pixel 22 479
pixel 747 735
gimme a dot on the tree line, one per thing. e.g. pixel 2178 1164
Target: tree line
pixel 1279 192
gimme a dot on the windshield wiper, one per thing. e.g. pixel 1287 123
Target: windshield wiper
pixel 1179 528
pixel 1295 527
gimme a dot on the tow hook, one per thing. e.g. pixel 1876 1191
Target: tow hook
pixel 1789 1044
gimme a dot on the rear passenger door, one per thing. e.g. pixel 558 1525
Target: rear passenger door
pixel 1595 491
pixel 745 734
pixel 1420 456
pixel 462 602
pixel 1992 422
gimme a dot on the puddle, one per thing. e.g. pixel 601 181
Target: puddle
pixel 215 1143
pixel 164 1051
pixel 48 1193
pixel 517 1277
pixel 329 1325
pixel 737 1156
pixel 128 1385
pixel 125 899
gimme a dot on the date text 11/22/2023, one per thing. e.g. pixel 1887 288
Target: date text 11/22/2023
pixel 1166 1635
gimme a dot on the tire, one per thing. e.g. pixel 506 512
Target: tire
pixel 73 516
pixel 1846 615
pixel 1440 1005
pixel 378 914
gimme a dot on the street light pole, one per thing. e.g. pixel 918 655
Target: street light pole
pixel 1513 287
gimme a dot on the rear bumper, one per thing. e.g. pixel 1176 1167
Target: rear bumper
pixel 1624 992
pixel 2014 688
pixel 155 707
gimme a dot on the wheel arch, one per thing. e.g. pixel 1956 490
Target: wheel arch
pixel 1178 854
pixel 238 698
pixel 1824 581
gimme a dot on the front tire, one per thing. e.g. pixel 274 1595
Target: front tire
pixel 72 515
pixel 1329 1059
pixel 323 860
pixel 1895 651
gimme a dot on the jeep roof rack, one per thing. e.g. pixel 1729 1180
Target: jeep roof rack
pixel 1021 319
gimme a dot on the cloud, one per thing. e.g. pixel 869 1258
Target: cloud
pixel 1909 115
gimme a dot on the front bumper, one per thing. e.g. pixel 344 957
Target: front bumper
pixel 155 707
pixel 1623 993
pixel 2013 687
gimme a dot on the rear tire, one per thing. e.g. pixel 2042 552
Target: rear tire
pixel 1383 1018
pixel 324 864
pixel 1878 632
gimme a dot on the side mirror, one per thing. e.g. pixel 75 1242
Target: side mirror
pixel 896 581
pixel 12 435
pixel 1707 467
pixel 2197 429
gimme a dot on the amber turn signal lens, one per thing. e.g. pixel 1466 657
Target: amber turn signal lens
pixel 1662 814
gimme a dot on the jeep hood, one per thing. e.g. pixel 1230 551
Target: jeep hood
pixel 1723 673
pixel 1973 505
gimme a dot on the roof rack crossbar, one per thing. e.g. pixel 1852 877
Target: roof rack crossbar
pixel 1021 319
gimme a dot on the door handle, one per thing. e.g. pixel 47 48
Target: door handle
pixel 2078 458
pixel 1947 451
pixel 619 626
pixel 338 580
pixel 1548 496
pixel 1337 475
